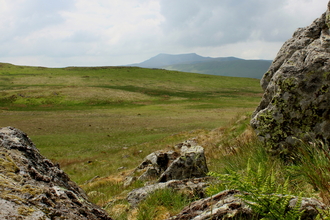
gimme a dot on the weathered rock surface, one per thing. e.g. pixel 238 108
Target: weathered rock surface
pixel 32 187
pixel 226 205
pixel 190 164
pixel 192 187
pixel 187 161
pixel 296 101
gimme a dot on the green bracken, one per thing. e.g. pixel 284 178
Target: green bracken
pixel 261 191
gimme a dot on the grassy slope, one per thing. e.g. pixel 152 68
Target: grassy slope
pixel 98 119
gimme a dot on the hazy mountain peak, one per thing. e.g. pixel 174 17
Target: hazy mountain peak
pixel 192 62
pixel 164 59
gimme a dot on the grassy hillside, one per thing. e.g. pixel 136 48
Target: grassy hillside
pixel 75 115
pixel 237 68
pixel 102 121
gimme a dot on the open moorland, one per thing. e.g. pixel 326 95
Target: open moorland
pixel 98 123
pixel 102 121
pixel 114 116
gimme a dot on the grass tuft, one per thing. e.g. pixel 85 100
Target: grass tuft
pixel 162 204
pixel 312 164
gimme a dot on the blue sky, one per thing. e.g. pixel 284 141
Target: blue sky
pixel 59 33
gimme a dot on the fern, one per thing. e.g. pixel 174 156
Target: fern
pixel 324 214
pixel 261 192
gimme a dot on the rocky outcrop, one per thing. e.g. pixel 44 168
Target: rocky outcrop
pixel 296 100
pixel 32 187
pixel 182 169
pixel 186 161
pixel 227 205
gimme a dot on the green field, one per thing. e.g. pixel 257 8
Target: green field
pixel 77 114
pixel 94 120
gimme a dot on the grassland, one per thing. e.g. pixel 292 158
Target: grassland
pixel 102 121
pixel 75 115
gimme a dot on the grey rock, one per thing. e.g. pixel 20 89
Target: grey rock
pixel 193 187
pixel 32 187
pixel 138 195
pixel 226 205
pixel 190 164
pixel 296 100
pixel 187 161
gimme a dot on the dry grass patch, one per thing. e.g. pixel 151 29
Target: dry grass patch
pixel 49 79
pixel 99 94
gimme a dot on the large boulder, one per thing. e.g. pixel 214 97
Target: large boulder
pixel 32 187
pixel 296 101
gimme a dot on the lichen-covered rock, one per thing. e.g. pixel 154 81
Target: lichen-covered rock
pixel 224 205
pixel 296 101
pixel 32 187
pixel 190 164
pixel 187 161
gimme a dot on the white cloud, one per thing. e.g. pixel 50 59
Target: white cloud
pixel 116 32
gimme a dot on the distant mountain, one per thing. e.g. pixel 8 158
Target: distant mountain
pixel 238 68
pixel 162 60
pixel 224 66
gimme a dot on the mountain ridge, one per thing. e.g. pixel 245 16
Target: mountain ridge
pixel 192 62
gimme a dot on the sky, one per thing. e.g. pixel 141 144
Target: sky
pixel 60 33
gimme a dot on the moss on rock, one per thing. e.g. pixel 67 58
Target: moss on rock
pixel 296 102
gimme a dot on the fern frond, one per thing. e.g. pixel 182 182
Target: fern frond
pixel 262 193
pixel 295 211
